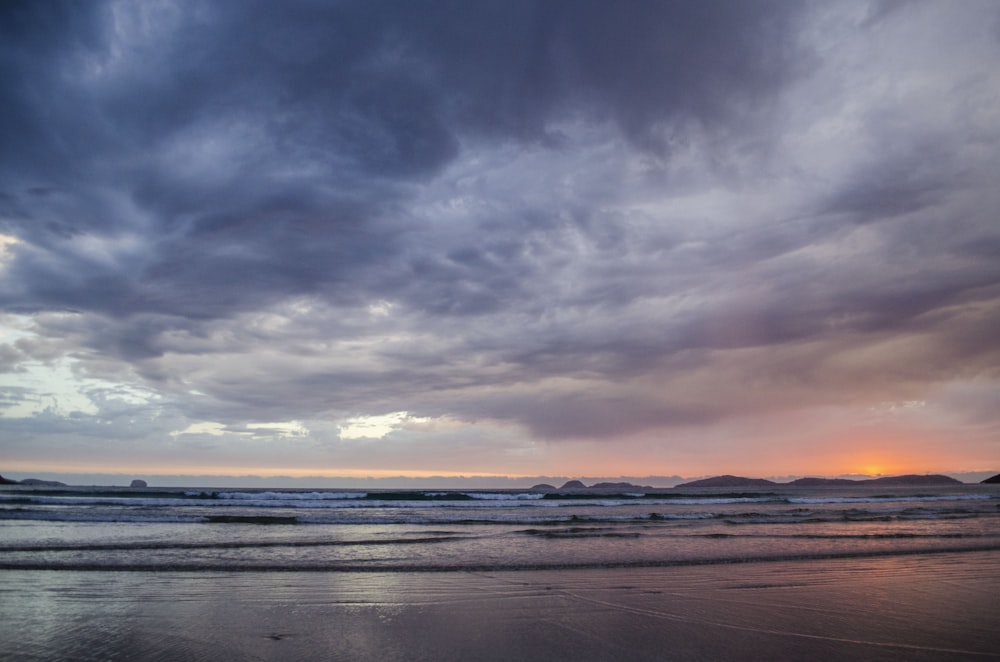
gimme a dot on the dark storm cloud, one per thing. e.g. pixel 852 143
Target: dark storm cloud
pixel 540 212
pixel 258 148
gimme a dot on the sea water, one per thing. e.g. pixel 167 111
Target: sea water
pixel 165 529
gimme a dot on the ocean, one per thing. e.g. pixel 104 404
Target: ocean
pixel 253 568
pixel 354 531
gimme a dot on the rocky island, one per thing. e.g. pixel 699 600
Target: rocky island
pixel 578 487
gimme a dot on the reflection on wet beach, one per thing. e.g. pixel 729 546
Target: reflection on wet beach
pixel 936 607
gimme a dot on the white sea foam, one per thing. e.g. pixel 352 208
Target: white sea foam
pixel 286 496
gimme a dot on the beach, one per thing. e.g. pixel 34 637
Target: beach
pixel 912 607
pixel 777 572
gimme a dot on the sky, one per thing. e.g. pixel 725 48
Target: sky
pixel 499 238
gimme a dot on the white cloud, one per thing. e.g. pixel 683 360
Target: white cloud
pixel 381 308
pixel 204 427
pixel 375 427
pixel 49 387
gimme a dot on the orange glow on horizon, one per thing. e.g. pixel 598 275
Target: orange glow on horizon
pixel 862 455
pixel 235 472
pixel 882 465
pixel 859 469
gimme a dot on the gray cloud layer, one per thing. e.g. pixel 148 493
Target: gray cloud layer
pixel 586 219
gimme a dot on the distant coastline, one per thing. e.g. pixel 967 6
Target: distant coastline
pixel 569 486
pixel 730 481
pixel 36 482
pixel 903 481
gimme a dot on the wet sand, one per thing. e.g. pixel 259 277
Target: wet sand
pixel 936 607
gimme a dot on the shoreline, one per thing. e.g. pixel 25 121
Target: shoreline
pixel 921 607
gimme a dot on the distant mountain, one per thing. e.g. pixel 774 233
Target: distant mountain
pixel 577 486
pixel 992 479
pixel 7 481
pixel 914 479
pixel 730 481
pixel 37 482
pixel 909 480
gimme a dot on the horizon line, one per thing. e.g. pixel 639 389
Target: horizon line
pixel 185 479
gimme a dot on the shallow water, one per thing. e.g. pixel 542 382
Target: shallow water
pixel 102 529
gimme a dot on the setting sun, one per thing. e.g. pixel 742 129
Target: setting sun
pixel 872 470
